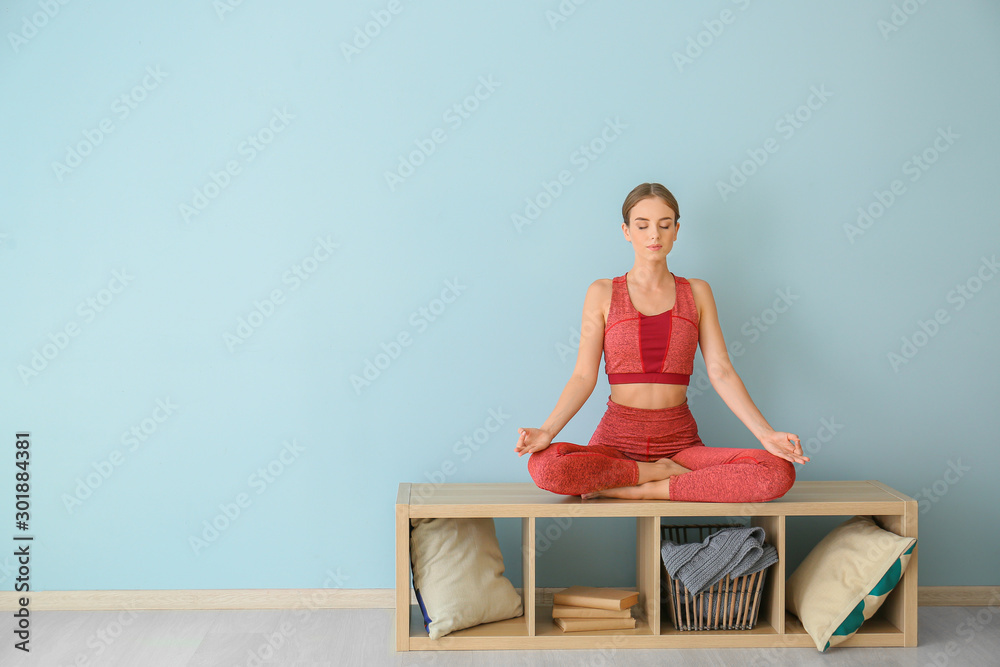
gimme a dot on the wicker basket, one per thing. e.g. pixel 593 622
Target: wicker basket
pixel 730 604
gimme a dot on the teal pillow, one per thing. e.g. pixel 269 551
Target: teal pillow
pixel 846 578
pixel 873 600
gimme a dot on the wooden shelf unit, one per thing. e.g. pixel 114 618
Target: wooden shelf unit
pixel 895 624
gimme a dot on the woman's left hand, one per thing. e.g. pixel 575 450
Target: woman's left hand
pixel 784 445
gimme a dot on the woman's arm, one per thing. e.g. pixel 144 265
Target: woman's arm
pixel 728 384
pixel 581 384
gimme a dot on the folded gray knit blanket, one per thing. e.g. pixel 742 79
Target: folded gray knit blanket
pixel 734 551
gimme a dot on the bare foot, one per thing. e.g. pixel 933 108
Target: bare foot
pixel 673 467
pixel 659 469
pixel 655 490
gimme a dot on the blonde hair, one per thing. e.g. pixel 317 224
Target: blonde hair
pixel 645 191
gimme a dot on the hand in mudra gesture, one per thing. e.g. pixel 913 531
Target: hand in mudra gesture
pixel 785 445
pixel 532 440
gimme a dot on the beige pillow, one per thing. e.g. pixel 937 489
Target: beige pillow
pixel 845 579
pixel 458 574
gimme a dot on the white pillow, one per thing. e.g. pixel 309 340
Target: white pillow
pixel 458 574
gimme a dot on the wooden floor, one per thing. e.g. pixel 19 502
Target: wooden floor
pixel 363 637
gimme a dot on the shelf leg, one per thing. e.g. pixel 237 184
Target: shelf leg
pixel 528 571
pixel 900 607
pixel 772 607
pixel 403 569
pixel 647 568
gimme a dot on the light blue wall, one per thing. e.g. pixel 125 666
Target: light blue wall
pixel 336 124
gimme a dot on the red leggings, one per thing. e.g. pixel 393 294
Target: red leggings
pixel 626 435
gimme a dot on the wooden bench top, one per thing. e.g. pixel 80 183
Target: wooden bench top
pixel 524 499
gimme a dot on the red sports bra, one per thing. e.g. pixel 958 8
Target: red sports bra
pixel 650 348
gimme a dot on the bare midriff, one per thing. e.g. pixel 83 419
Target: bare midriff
pixel 648 395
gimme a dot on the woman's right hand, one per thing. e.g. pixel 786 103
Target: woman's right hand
pixel 532 440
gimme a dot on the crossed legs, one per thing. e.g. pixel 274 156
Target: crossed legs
pixel 700 473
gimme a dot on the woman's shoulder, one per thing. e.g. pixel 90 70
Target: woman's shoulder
pixel 701 292
pixel 601 286
pixel 697 284
pixel 606 283
pixel 600 292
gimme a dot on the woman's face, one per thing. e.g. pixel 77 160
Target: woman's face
pixel 653 228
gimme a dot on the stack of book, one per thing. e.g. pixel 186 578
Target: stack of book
pixel 589 608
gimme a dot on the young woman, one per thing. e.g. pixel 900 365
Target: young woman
pixel 648 324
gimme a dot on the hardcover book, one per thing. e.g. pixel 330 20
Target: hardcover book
pixel 577 624
pixel 599 598
pixel 569 611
